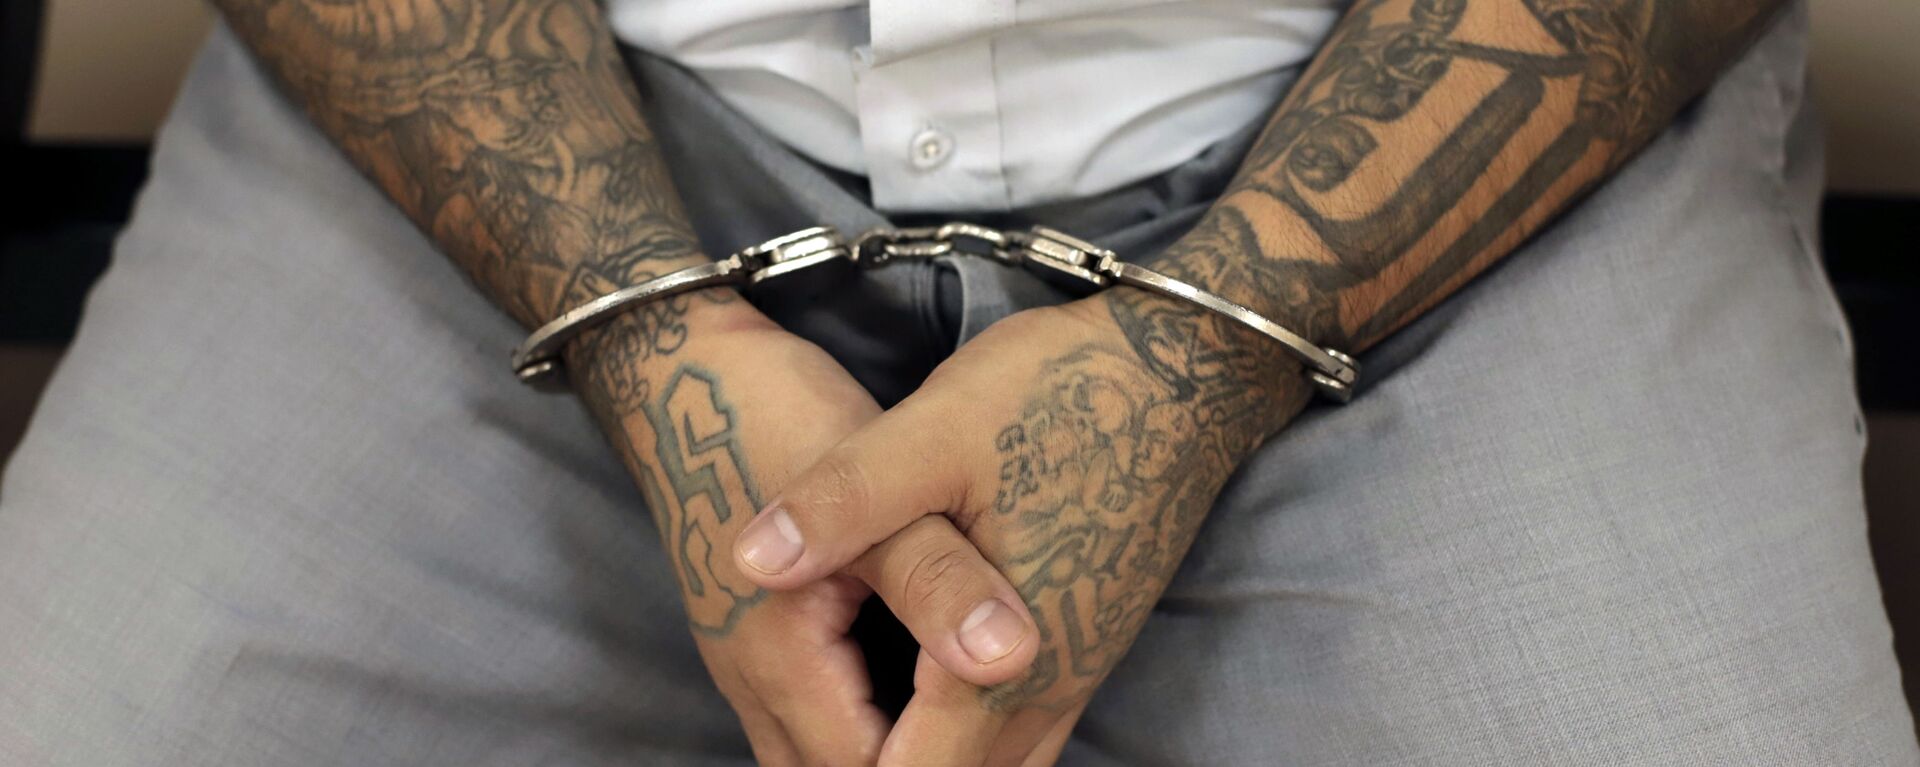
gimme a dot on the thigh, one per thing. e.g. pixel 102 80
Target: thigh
pixel 1603 507
pixel 284 503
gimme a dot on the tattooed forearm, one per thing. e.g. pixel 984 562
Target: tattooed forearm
pixel 1428 139
pixel 508 130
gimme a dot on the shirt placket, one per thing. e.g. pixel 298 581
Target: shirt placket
pixel 929 107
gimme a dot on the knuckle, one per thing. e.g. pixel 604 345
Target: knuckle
pixel 841 490
pixel 933 581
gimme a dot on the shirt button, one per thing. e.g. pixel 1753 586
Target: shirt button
pixel 930 148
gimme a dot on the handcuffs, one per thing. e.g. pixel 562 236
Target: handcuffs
pixel 1044 250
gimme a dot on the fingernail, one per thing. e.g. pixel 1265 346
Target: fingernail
pixel 991 631
pixel 771 543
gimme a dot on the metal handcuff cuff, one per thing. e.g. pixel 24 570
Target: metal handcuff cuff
pixel 1045 250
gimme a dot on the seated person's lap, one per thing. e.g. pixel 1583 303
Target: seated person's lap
pixel 283 504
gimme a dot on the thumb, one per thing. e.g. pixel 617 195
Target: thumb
pixel 962 610
pixel 898 468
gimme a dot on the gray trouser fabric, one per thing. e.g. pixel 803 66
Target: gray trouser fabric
pixel 284 505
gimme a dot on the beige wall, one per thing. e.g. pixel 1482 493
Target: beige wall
pixel 1866 76
pixel 111 67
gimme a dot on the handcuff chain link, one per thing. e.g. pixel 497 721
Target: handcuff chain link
pixel 1041 247
pixel 1048 251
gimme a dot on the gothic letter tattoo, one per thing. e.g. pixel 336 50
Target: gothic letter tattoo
pixel 701 495
pixel 510 132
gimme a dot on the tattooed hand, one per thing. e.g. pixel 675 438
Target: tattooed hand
pixel 1079 448
pixel 511 134
pixel 709 422
pixel 673 406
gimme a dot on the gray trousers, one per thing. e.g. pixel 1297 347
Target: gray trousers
pixel 285 505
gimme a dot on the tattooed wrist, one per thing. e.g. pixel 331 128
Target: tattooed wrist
pixel 1210 360
pixel 510 132
pixel 1225 254
pixel 647 341
pixel 1429 138
pixel 677 432
pixel 1497 113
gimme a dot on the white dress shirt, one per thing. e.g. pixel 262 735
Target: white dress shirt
pixel 970 105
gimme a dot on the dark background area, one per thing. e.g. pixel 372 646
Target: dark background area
pixel 66 203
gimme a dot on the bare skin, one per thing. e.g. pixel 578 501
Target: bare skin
pixel 1078 448
pixel 1081 447
pixel 511 133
